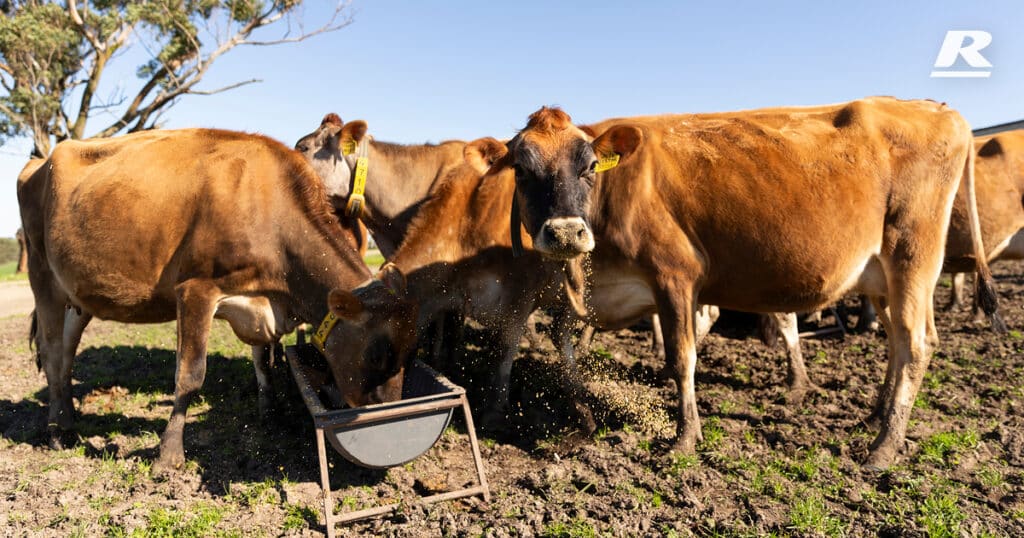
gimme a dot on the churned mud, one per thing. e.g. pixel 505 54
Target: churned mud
pixel 765 466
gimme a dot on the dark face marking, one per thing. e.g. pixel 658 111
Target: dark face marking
pixel 553 195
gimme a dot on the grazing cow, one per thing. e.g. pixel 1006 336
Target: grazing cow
pixel 774 210
pixel 125 229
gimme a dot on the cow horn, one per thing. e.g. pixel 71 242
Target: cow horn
pixel 517 235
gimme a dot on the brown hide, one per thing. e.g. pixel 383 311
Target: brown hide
pixel 192 225
pixel 999 179
pixel 770 210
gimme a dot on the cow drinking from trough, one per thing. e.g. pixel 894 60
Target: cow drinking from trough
pixel 240 229
pixel 774 210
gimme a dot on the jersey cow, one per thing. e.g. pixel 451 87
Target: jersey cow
pixel 999 174
pixel 774 210
pixel 125 229
pixel 398 177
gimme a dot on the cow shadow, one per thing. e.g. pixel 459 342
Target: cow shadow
pixel 123 400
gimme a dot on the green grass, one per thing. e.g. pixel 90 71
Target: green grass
pixel 941 516
pixel 810 516
pixel 944 448
pixel 7 273
pixel 374 259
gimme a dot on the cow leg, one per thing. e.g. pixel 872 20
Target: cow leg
pixel 562 324
pixel 797 380
pixel 586 339
pixel 867 321
pixel 704 318
pixel 874 420
pixel 196 305
pixel 957 293
pixel 48 329
pixel 658 342
pixel 678 312
pixel 261 356
pixel 911 287
pixel 496 415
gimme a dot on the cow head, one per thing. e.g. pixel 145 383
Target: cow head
pixel 556 164
pixel 325 148
pixel 369 347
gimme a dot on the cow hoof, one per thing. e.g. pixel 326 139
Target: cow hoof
pixel 586 419
pixel 796 394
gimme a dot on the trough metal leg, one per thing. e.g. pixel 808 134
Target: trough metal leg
pixel 476 449
pixel 325 483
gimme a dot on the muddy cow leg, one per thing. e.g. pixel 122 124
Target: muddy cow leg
pixel 678 311
pixel 562 324
pixel 911 291
pixel 874 420
pixel 196 305
pixel 261 359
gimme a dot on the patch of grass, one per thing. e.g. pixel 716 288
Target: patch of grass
pixel 577 528
pixel 601 433
pixel 810 516
pixel 255 493
pixel 990 476
pixel 1016 335
pixel 200 522
pixel 7 273
pixel 714 434
pixel 297 517
pixel 944 448
pixel 940 515
pixel 681 462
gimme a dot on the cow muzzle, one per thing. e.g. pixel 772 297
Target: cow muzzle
pixel 564 238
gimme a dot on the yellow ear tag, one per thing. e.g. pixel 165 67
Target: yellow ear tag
pixel 356 199
pixel 607 162
pixel 320 336
pixel 348 146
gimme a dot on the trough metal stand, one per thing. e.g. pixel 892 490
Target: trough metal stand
pixel 458 400
pixel 323 426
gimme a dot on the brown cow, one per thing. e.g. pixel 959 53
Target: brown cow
pixel 999 174
pixel 398 177
pixel 126 229
pixel 706 207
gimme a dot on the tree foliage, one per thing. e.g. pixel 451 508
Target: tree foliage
pixel 53 56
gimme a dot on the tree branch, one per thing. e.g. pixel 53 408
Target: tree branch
pixel 77 19
pixel 225 88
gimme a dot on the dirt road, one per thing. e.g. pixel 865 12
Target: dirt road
pixel 15 298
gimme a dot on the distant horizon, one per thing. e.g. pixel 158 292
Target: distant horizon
pixel 461 70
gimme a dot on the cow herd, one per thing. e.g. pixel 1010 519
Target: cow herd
pixel 774 211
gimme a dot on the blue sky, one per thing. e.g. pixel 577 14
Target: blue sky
pixel 429 71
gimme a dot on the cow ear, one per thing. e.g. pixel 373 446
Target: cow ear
pixel 331 124
pixel 621 140
pixel 486 154
pixel 352 133
pixel 345 304
pixel 589 130
pixel 392 278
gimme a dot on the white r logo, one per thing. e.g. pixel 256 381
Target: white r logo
pixel 954 45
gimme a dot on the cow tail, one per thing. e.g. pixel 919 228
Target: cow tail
pixel 984 287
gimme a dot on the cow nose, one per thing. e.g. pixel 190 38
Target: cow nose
pixel 565 237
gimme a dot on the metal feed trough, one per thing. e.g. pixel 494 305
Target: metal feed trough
pixel 382 435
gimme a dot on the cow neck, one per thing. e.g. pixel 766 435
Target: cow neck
pixel 319 261
pixel 398 179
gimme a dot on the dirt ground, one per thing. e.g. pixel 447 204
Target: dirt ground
pixel 765 467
